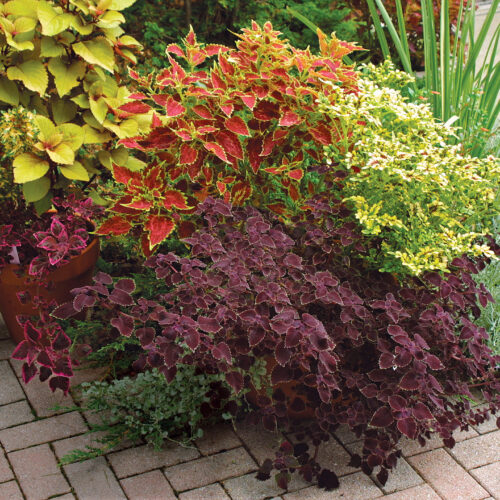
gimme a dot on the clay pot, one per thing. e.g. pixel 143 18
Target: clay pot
pixel 77 272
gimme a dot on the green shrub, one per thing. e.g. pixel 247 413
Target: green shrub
pixel 426 201
pixel 148 408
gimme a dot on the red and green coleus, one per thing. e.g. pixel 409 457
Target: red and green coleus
pixel 246 130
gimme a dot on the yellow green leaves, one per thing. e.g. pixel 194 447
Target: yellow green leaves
pixel 36 190
pixel 66 77
pixel 75 172
pixel 29 167
pixel 32 73
pixel 8 92
pixel 53 20
pixel 96 51
pixel 99 108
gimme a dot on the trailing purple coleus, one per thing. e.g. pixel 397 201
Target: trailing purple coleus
pixel 45 348
pixel 388 359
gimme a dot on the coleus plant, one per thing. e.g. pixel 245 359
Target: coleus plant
pixel 245 130
pixel 62 60
pixel 45 242
pixel 390 360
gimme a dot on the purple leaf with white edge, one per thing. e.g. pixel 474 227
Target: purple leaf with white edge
pixel 382 417
pixel 64 311
pixel 125 284
pixel 209 325
pixel 222 352
pixel 121 298
pixel 124 324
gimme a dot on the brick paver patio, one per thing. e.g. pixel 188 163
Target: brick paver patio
pixel 221 466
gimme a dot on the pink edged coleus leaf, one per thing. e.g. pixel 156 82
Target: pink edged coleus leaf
pixel 382 417
pixel 124 324
pixel 58 256
pixel 63 367
pixel 58 229
pixel 31 333
pixel 28 372
pixel 237 125
pixel 222 352
pixel 43 359
pixel 61 342
pixel 159 228
pixel 21 351
pixel 48 243
pixel 59 382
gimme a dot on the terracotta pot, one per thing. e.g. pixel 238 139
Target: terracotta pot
pixel 77 272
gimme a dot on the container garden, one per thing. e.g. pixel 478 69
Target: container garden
pixel 77 272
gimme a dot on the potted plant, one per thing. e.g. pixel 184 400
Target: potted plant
pixel 59 90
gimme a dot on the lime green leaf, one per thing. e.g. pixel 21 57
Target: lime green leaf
pixel 28 167
pixel 73 135
pixel 93 136
pixel 63 111
pixel 24 24
pixel 96 51
pixel 82 29
pixel 46 127
pixel 22 8
pixel 53 21
pixel 110 19
pixel 9 92
pixel 49 47
pixel 32 74
pixel 105 158
pixel 127 128
pixel 99 109
pixel 129 40
pixel 120 155
pixel 62 153
pixel 75 172
pixel 36 190
pixel 66 77
pixel 82 100
pixel 134 164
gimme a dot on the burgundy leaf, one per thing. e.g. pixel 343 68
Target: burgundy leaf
pixel 397 403
pixel 209 325
pixel 125 284
pixel 64 311
pixel 282 354
pixel 120 297
pixel 235 380
pixel 281 374
pixel 145 335
pixel 408 427
pixel 59 382
pixel 409 382
pixel 421 412
pixel 124 324
pixel 382 417
pixel 222 351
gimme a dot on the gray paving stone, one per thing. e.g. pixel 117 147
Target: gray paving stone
pixel 15 414
pixel 10 390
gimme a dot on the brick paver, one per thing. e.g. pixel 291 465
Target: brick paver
pixel 211 492
pixel 42 431
pixel 93 480
pixel 6 473
pixel 10 390
pixel 446 476
pixel 356 486
pixel 421 492
pixel 218 438
pixel 10 491
pixel 210 469
pixel 261 443
pixel 37 472
pixel 144 458
pixel 489 477
pixel 15 414
pixel 149 486
pixel 43 400
pixel 479 451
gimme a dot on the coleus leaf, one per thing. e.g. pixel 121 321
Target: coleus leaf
pixel 124 324
pixel 135 108
pixel 159 228
pixel 216 150
pixel 173 198
pixel 209 325
pixel 222 352
pixel 237 125
pixel 115 225
pixel 174 108
pixel 382 417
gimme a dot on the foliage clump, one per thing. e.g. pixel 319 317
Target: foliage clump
pixel 426 201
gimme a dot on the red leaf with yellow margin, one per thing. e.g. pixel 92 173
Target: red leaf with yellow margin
pixel 240 192
pixel 216 150
pixel 230 143
pixel 296 174
pixel 188 155
pixel 159 229
pixel 115 225
pixel 277 208
pixel 173 48
pixel 174 108
pixel 237 125
pixel 289 118
pixel 135 108
pixel 249 100
pixel 203 111
pixel 174 198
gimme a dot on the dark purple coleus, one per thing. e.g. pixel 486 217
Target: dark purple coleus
pixel 387 359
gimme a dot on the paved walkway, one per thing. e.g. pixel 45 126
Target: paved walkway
pixel 221 466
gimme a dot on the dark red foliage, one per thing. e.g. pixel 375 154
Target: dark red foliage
pixel 387 360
